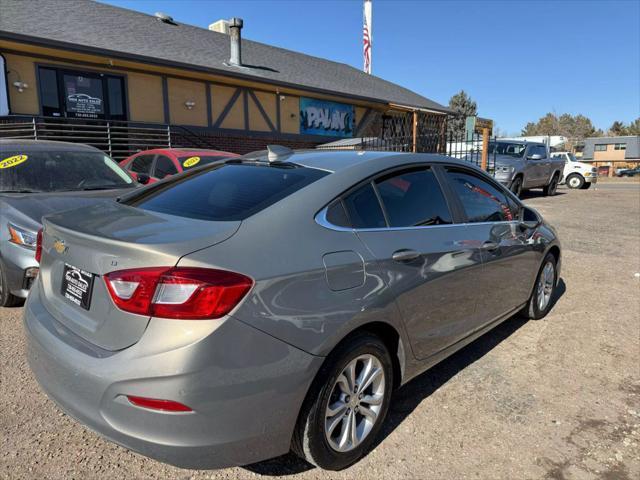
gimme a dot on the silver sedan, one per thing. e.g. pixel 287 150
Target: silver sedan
pixel 275 301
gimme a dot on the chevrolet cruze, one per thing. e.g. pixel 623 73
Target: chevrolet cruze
pixel 273 302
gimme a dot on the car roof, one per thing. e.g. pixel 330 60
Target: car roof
pixel 43 145
pixel 187 151
pixel 338 160
pixel 521 142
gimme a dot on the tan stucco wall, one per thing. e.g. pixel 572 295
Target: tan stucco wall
pixel 145 98
pixel 22 69
pixel 181 91
pixel 290 114
pixel 610 154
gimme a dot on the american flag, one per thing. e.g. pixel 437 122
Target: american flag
pixel 367 36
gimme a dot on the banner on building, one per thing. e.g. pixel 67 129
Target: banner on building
pixel 320 117
pixel 366 35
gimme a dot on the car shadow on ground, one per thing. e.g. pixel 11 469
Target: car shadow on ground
pixel 527 194
pixel 409 396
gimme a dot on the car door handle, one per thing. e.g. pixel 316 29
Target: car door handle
pixel 405 255
pixel 491 246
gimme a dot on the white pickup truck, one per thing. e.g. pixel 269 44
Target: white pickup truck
pixel 576 174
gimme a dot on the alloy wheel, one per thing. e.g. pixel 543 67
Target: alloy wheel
pixel 355 403
pixel 545 286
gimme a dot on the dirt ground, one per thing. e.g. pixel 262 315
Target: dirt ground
pixel 557 398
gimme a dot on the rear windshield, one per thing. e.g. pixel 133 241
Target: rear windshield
pixel 226 192
pixel 54 171
pixel 192 161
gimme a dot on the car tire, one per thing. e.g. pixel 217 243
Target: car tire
pixel 586 186
pixel 544 290
pixel 516 187
pixel 7 299
pixel 310 439
pixel 575 181
pixel 550 190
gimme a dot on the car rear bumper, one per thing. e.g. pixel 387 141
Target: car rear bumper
pixel 244 386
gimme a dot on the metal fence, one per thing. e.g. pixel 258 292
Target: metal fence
pixel 398 135
pixel 471 149
pixel 117 138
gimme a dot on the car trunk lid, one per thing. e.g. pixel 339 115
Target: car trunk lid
pixel 82 245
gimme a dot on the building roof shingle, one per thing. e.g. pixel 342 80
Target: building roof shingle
pixel 89 26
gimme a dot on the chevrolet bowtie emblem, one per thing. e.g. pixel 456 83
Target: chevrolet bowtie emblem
pixel 59 246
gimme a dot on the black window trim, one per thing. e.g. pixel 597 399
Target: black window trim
pixel 455 209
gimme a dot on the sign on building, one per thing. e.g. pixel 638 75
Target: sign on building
pixel 320 117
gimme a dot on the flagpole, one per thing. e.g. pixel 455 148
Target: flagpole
pixel 367 35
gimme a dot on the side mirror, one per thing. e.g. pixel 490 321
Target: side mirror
pixel 143 178
pixel 535 156
pixel 530 219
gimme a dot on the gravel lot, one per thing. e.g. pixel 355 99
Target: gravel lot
pixel 558 398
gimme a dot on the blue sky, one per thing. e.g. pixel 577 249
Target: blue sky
pixel 517 59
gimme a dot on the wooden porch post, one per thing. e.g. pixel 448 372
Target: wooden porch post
pixel 415 131
pixel 485 148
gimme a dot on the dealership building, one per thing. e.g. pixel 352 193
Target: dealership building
pixel 124 81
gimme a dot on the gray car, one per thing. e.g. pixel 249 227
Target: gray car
pixel 38 178
pixel 274 302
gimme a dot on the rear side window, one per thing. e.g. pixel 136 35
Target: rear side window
pixel 226 192
pixel 142 164
pixel 413 198
pixel 164 167
pixel 482 202
pixel 364 208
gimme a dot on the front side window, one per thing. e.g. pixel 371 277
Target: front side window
pixel 538 150
pixel 600 147
pixel 164 167
pixel 142 164
pixel 620 146
pixel 226 192
pixel 51 171
pixel 364 208
pixel 482 202
pixel 413 198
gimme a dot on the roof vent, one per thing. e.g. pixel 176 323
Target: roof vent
pixel 221 26
pixel 235 26
pixel 164 18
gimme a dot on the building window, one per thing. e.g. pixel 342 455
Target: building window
pixel 76 94
pixel 620 146
pixel 600 147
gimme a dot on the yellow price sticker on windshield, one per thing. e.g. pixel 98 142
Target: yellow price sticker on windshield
pixel 13 161
pixel 190 162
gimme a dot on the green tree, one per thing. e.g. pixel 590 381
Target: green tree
pixel 462 106
pixel 634 127
pixel 618 128
pixel 574 128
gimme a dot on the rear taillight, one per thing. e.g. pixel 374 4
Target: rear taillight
pixel 181 292
pixel 39 246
